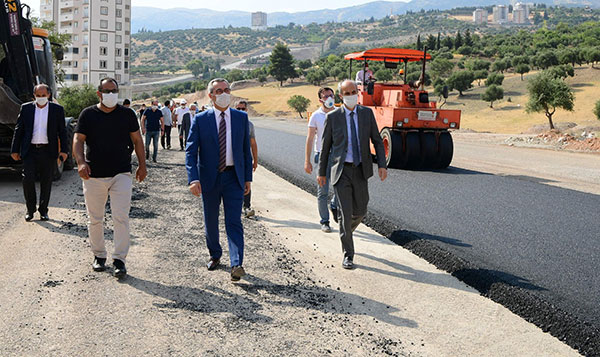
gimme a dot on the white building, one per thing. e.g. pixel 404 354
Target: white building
pixel 500 13
pixel 521 13
pixel 100 33
pixel 259 21
pixel 480 16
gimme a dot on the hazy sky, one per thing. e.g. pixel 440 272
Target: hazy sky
pixel 243 5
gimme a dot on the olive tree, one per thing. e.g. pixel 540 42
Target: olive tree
pixel 546 94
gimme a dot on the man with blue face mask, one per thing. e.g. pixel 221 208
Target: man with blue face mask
pixel 316 124
pixel 106 130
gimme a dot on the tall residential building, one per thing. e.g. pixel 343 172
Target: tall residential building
pixel 100 33
pixel 259 21
pixel 500 14
pixel 521 13
pixel 480 16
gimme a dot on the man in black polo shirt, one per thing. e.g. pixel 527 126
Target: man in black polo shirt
pixel 107 130
pixel 153 126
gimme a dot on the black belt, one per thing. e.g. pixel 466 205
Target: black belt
pixel 38 146
pixel 229 168
pixel 351 164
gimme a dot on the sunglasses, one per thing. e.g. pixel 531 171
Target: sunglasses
pixel 107 91
pixel 242 109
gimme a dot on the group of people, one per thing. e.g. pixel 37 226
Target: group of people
pixel 220 157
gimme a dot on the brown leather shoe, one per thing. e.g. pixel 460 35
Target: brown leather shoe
pixel 237 273
pixel 213 264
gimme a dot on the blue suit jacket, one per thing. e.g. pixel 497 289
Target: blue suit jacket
pixel 56 130
pixel 202 149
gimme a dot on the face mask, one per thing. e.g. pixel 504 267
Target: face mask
pixel 110 100
pixel 41 101
pixel 154 107
pixel 223 100
pixel 329 103
pixel 351 100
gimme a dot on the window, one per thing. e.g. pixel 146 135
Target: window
pixel 85 66
pixel 118 77
pixel 74 64
pixel 119 13
pixel 103 10
pixel 103 64
pixel 103 37
pixel 127 52
pixel 76 24
pixel 117 52
pixel 75 50
pixel 85 78
pixel 117 65
pixel 118 39
pixel 126 64
pixel 103 24
pixel 103 51
pixel 119 2
pixel 72 77
pixel 86 40
pixel 127 19
pixel 119 26
pixel 75 38
pixel 86 25
pixel 86 12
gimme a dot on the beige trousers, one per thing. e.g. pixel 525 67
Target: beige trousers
pixel 96 192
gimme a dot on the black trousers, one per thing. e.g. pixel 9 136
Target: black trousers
pixel 181 136
pixel 166 134
pixel 247 199
pixel 40 162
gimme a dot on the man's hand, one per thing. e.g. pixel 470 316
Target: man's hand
pixel 196 189
pixel 382 174
pixel 15 156
pixel 141 173
pixel 247 189
pixel 321 180
pixel 254 165
pixel 84 171
pixel 63 156
pixel 143 131
pixel 308 167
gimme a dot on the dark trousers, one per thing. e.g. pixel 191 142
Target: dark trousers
pixel 40 162
pixel 247 199
pixel 352 192
pixel 227 189
pixel 166 134
pixel 181 136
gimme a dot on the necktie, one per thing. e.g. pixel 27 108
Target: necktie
pixel 222 143
pixel 355 148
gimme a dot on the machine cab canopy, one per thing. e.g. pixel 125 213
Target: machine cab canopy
pixel 388 55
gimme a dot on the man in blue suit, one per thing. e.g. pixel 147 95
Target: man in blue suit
pixel 219 165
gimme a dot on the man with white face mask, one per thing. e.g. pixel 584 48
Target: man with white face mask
pixel 316 124
pixel 39 127
pixel 348 133
pixel 107 129
pixel 219 165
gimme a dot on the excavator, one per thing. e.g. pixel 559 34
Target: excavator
pixel 25 60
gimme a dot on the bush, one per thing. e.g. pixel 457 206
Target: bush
pixel 597 110
pixel 76 98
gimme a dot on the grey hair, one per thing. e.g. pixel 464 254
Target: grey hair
pixel 212 83
pixel 42 85
pixel 342 83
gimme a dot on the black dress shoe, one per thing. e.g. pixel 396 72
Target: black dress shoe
pixel 44 217
pixel 348 263
pixel 120 270
pixel 213 264
pixel 99 264
pixel 334 213
pixel 29 217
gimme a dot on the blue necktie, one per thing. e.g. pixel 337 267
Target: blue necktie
pixel 355 149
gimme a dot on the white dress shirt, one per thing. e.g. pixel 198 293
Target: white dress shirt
pixel 349 157
pixel 229 152
pixel 40 125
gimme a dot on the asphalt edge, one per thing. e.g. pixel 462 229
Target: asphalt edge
pixel 579 335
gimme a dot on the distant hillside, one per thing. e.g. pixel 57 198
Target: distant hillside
pixel 154 19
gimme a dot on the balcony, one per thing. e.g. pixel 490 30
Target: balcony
pixel 65 4
pixel 66 29
pixel 66 17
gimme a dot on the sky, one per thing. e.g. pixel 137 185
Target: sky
pixel 242 5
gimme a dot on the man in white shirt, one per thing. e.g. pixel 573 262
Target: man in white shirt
pixel 315 130
pixel 39 127
pixel 167 112
pixel 179 112
pixel 360 75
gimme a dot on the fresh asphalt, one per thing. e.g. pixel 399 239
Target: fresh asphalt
pixel 539 238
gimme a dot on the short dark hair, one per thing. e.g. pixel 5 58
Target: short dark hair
pixel 324 89
pixel 167 103
pixel 126 101
pixel 107 79
pixel 42 85
pixel 242 101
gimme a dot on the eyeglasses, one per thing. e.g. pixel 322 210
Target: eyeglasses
pixel 107 91
pixel 328 96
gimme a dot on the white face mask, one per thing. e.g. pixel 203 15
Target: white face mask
pixel 223 100
pixel 329 103
pixel 41 101
pixel 154 107
pixel 110 100
pixel 351 100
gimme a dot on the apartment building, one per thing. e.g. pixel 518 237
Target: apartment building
pixel 480 16
pixel 100 33
pixel 500 14
pixel 259 21
pixel 521 13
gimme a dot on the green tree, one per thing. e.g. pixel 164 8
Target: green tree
pixel 282 63
pixel 479 75
pixel 234 75
pixel 522 68
pixel 597 110
pixel 546 94
pixel 315 76
pixel 298 103
pixel 561 72
pixel 461 81
pixel 592 56
pixel 76 98
pixel 458 40
pixel 499 66
pixel 262 79
pixel 468 39
pixel 419 44
pixel 430 43
pixel 494 78
pixel 195 66
pixel 441 67
pixel 492 94
pixel 546 59
pixel 384 75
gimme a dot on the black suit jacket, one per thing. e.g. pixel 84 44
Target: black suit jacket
pixel 56 130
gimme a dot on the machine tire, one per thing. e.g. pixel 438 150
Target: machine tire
pixel 429 150
pixel 412 152
pixel 70 162
pixel 392 143
pixel 58 170
pixel 445 151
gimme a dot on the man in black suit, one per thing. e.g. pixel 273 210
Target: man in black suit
pixel 39 132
